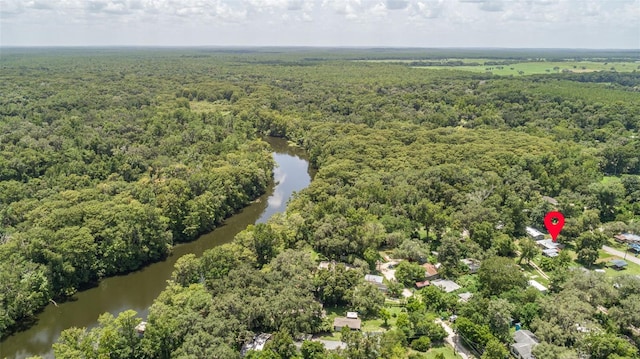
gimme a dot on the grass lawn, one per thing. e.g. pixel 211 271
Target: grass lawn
pixel 447 351
pixel 368 325
pixel 531 68
pixel 531 273
pixel 605 257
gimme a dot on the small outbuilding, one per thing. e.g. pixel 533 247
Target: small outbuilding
pixel 141 327
pixel 464 297
pixel 424 283
pixel 618 264
pixel 537 285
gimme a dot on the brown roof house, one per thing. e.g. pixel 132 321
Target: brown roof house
pixel 351 321
pixel 430 271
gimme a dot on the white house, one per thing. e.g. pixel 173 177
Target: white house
pixel 534 233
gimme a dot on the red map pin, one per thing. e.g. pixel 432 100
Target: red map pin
pixel 554 221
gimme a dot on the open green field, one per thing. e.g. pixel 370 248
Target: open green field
pixel 543 67
pixel 447 351
pixel 605 257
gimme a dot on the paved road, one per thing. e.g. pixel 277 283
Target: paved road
pixel 630 256
pixel 454 341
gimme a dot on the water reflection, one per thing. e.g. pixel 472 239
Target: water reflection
pixel 137 290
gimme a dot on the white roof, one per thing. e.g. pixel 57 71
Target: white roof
pixel 373 278
pixel 447 285
pixel 631 237
pixel 549 244
pixel 533 232
pixel 537 285
pixel 352 315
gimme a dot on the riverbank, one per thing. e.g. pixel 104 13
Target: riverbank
pixel 138 289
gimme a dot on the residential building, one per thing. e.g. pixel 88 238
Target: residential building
pixel 446 285
pixel 376 280
pixel 351 323
pixel 524 343
pixel 430 271
pixel 534 233
pixel 472 264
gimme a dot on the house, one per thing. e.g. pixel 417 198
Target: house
pixel 551 253
pixel 534 233
pixel 618 264
pixel 446 285
pixel 472 264
pixel 538 286
pixel 549 244
pixel 332 265
pixel 351 323
pixel 524 343
pixel 424 283
pixel 430 271
pixel 635 247
pixel 627 238
pixel 464 297
pixel 376 280
pixel 256 344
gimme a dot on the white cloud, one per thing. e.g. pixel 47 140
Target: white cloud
pixel 397 4
pixel 505 23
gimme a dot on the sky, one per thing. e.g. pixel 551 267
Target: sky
pixel 593 24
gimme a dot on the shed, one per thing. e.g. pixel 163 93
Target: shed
pixel 618 264
pixel 352 315
pixel 424 283
pixel 551 253
pixel 141 327
pixel 464 297
pixel 537 286
pixel 341 322
pixel 551 200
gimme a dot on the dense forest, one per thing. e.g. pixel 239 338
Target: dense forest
pixel 108 157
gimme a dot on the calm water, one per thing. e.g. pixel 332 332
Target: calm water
pixel 137 290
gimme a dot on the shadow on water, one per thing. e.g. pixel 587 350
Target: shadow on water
pixel 137 290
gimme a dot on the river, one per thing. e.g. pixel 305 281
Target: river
pixel 137 290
